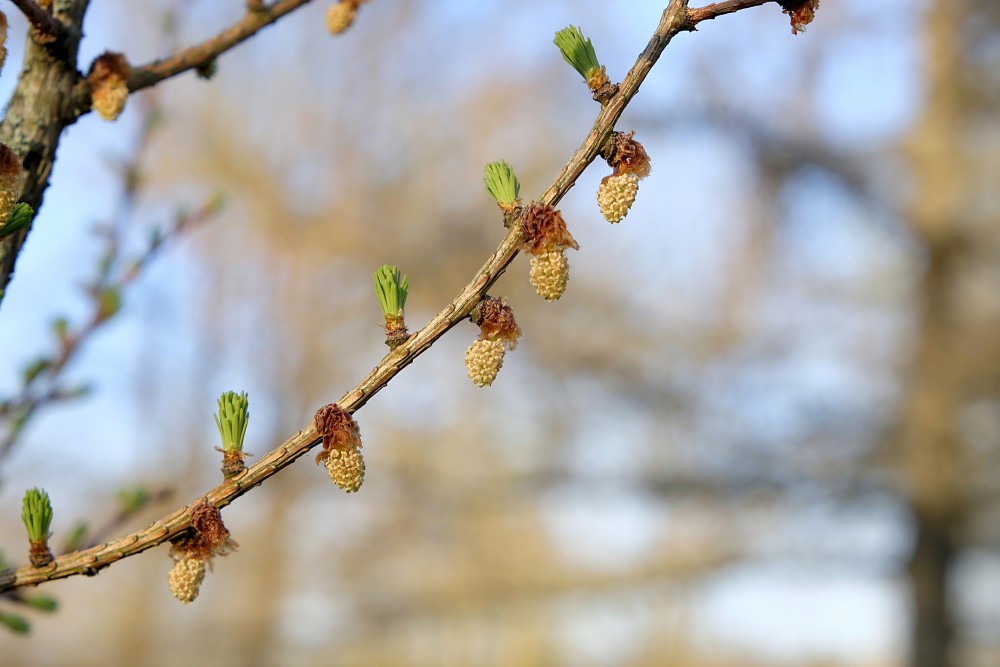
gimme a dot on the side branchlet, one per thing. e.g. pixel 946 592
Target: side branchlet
pixel 36 513
pixel 392 288
pixel 231 420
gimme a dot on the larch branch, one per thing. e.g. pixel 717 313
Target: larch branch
pixel 676 18
pixel 202 54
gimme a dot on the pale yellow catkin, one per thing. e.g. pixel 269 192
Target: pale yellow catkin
pixel 340 16
pixel 184 579
pixel 346 468
pixel 108 98
pixel 616 196
pixel 483 360
pixel 549 274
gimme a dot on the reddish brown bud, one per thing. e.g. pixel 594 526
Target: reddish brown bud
pixel 10 164
pixel 233 463
pixel 39 554
pixel 107 65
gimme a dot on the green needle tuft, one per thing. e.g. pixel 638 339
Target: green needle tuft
pixel 20 219
pixel 36 513
pixel 232 419
pixel 502 183
pixel 392 288
pixel 578 51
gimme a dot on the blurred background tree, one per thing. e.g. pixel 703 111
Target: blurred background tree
pixel 760 428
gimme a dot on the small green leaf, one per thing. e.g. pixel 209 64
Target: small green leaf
pixel 15 623
pixel 34 369
pixel 60 327
pixel 41 603
pixel 215 204
pixel 133 500
pixel 109 302
pixel 77 534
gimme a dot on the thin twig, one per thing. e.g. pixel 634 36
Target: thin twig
pixel 202 54
pixel 43 22
pixel 717 9
pixel 676 18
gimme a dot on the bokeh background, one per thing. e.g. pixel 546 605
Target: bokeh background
pixel 762 427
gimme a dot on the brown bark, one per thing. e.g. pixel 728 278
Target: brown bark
pixel 45 101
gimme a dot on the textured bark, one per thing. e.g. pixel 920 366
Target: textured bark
pixel 46 100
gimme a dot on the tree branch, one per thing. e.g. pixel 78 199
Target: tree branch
pixel 42 22
pixel 202 54
pixel 717 9
pixel 676 18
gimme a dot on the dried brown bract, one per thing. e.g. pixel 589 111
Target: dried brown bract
pixel 800 12
pixel 194 550
pixel 206 519
pixel 496 321
pixel 627 156
pixel 108 65
pixel 341 452
pixel 338 428
pixel 545 230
